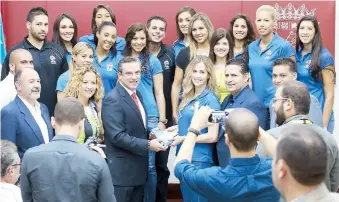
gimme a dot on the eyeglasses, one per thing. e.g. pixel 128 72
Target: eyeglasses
pixel 276 99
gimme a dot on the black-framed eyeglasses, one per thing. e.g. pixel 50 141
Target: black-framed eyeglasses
pixel 17 164
pixel 276 99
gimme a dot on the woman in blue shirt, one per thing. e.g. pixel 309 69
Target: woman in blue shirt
pixel 65 33
pixel 315 67
pixel 199 87
pixel 151 78
pixel 82 57
pixel 182 19
pixel 200 30
pixel 242 33
pixel 106 58
pixel 102 13
pixel 264 51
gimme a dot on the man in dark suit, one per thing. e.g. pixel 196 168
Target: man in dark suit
pixel 126 136
pixel 241 96
pixel 25 121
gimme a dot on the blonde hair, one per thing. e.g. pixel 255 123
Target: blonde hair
pixel 188 86
pixel 269 9
pixel 78 49
pixel 75 82
pixel 193 46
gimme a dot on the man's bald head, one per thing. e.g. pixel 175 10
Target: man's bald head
pixel 304 151
pixel 20 58
pixel 242 129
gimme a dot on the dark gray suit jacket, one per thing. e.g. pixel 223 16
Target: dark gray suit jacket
pixel 126 138
pixel 66 171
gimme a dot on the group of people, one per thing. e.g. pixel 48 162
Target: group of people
pixel 56 95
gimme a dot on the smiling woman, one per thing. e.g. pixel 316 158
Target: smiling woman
pixel 65 33
pixel 106 56
pixel 86 86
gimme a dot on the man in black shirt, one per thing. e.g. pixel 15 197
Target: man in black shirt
pixel 64 170
pixel 48 58
pixel 156 26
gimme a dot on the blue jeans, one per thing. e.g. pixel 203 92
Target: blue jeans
pixel 151 183
pixel 188 194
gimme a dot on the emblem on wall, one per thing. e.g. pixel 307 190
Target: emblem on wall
pixel 288 18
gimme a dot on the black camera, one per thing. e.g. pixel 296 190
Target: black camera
pixel 93 141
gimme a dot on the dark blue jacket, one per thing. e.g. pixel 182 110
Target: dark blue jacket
pixel 246 98
pixel 19 126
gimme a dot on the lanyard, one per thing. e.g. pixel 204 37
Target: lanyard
pixel 301 121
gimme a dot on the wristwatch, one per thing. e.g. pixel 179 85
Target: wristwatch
pixel 195 131
pixel 164 121
pixel 148 144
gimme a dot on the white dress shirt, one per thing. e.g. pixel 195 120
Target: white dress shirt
pixel 36 113
pixel 10 192
pixel 142 110
pixel 7 90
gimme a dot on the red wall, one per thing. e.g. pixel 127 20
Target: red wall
pixel 128 12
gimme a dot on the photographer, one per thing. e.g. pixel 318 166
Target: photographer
pixel 64 170
pixel 247 177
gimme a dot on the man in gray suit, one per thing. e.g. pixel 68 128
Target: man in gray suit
pixel 291 104
pixel 64 170
pixel 299 166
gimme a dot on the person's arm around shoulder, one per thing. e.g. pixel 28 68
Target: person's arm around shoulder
pixel 26 190
pixel 105 187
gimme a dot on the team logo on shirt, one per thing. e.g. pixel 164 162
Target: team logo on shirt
pixel 268 54
pixel 308 64
pixel 166 64
pixel 109 67
pixel 52 59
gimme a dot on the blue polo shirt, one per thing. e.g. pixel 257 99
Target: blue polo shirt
pixel 177 46
pixel 243 180
pixel 260 65
pixel 202 151
pixel 68 57
pixel 315 87
pixel 120 42
pixel 145 86
pixel 62 81
pixel 108 70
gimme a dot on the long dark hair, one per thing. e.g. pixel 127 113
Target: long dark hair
pixel 250 31
pixel 217 35
pixel 101 26
pixel 317 45
pixel 182 10
pixel 95 10
pixel 132 30
pixel 56 34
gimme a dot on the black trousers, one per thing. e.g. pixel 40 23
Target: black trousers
pixel 129 194
pixel 161 159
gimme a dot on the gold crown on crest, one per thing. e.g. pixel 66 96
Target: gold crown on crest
pixel 289 12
